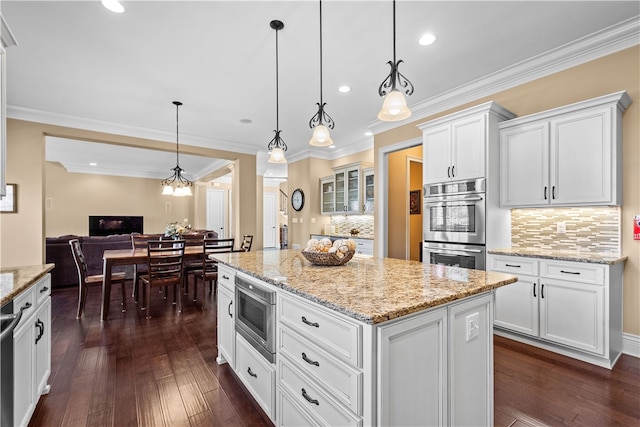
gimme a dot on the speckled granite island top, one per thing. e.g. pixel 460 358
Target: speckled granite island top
pixel 371 290
pixel 14 280
pixel 576 256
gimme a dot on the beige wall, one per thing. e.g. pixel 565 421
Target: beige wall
pixel 415 220
pixel 22 234
pixel 619 71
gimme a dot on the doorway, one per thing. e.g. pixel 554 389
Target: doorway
pixel 270 220
pixel 216 212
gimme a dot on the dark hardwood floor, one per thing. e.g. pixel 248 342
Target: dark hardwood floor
pixel 132 371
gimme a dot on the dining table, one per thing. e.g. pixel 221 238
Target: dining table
pixel 113 257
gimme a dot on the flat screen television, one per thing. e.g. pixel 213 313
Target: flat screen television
pixel 107 225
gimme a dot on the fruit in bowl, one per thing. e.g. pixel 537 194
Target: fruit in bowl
pixel 325 252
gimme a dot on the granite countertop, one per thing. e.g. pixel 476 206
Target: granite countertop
pixel 564 255
pixel 371 290
pixel 14 280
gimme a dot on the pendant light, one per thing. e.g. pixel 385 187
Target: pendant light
pixel 182 184
pixel 394 107
pixel 276 146
pixel 321 137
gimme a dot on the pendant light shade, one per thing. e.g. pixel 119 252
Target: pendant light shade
pixel 276 146
pixel 321 136
pixel 394 107
pixel 182 184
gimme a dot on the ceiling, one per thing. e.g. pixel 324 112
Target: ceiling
pixel 80 65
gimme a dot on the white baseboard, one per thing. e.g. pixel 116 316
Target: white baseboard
pixel 631 344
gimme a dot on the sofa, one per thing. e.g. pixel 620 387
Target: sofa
pixel 65 273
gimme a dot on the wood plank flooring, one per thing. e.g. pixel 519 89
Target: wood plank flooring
pixel 162 372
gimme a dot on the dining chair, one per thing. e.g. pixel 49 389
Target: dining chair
pixel 85 280
pixel 165 262
pixel 194 238
pixel 139 241
pixel 247 241
pixel 208 271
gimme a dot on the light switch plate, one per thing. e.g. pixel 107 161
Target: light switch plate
pixel 561 227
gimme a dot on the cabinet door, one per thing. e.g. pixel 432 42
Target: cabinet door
pixel 340 189
pixel 468 145
pixel 24 394
pixel 353 190
pixel 581 158
pixel 524 165
pixel 226 326
pixel 368 191
pixel 43 347
pixel 327 196
pixel 436 157
pixel 572 314
pixel 412 373
pixel 516 306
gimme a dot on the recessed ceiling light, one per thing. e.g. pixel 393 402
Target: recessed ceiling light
pixel 93 164
pixel 426 39
pixel 113 6
pixel 245 121
pixel 332 146
pixel 368 133
pixel 344 89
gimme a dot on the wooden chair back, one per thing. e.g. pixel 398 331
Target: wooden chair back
pixel 165 261
pixel 78 257
pixel 139 241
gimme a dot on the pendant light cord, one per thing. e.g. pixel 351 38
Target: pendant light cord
pixel 394 31
pixel 177 133
pixel 277 88
pixel 321 52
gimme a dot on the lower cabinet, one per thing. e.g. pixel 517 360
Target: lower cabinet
pixel 32 349
pixel 573 308
pixel 226 319
pixel 257 374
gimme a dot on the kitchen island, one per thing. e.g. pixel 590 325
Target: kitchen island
pixel 373 342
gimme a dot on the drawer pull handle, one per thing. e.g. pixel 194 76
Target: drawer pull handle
pixel 251 372
pixel 545 193
pixel 304 320
pixel 26 306
pixel 534 289
pixel 229 309
pixel 542 291
pixel 309 399
pixel 309 361
pixel 43 290
pixel 225 277
pixel 569 272
pixel 513 265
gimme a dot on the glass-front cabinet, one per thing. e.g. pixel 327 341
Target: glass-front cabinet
pixel 367 178
pixel 347 190
pixel 327 195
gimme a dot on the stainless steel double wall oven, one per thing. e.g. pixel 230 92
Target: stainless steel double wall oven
pixel 454 223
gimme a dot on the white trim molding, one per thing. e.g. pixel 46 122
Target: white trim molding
pixel 631 344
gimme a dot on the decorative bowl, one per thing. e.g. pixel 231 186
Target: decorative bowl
pixel 325 258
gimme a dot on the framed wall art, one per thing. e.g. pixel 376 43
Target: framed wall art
pixel 414 202
pixel 9 202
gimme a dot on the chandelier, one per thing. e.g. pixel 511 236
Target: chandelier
pixel 394 107
pixel 182 184
pixel 276 146
pixel 321 137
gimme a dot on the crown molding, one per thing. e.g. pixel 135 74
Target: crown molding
pixel 334 153
pixel 610 40
pixel 47 117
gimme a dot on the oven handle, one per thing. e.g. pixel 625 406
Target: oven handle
pixel 15 319
pixel 440 200
pixel 454 252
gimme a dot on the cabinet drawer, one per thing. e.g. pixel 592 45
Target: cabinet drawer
pixel 364 247
pixel 43 289
pixel 573 271
pixel 513 265
pixel 313 398
pixel 342 381
pixel 26 301
pixel 257 374
pixel 226 277
pixel 290 414
pixel 334 334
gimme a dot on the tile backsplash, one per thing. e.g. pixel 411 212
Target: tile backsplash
pixel 588 229
pixel 342 224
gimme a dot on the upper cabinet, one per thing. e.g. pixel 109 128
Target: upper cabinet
pixel 343 192
pixel 6 40
pixel 568 156
pixel 455 147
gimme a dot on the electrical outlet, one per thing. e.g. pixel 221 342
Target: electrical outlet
pixel 561 227
pixel 301 220
pixel 473 326
pixel 294 220
pixel 313 220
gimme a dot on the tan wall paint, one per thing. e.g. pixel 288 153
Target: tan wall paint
pixel 619 71
pixel 26 167
pixel 398 201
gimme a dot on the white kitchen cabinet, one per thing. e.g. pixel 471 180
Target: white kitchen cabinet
pixel 226 313
pixel 327 195
pixel 568 156
pixel 32 349
pixel 257 374
pixel 368 190
pixel 412 370
pixel 364 246
pixel 455 146
pixel 342 192
pixel 572 308
pixel 347 182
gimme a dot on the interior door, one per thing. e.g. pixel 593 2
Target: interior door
pixel 216 211
pixel 270 221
